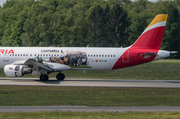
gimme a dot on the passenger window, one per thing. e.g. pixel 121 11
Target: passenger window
pixel 102 55
pixel 111 55
pixel 105 55
pixel 96 55
pixel 55 55
pixel 30 54
pixel 34 54
pixel 44 55
pixel 10 54
pixel 114 55
pixel 108 55
pixel 88 55
pixel 99 55
pixel 26 54
pixel 91 55
pixel 15 54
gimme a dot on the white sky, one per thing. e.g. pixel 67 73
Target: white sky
pixel 3 1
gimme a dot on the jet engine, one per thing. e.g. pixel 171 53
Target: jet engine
pixel 16 70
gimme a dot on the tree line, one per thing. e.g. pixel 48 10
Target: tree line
pixel 78 23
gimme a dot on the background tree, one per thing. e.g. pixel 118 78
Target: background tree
pixel 106 26
pixel 71 23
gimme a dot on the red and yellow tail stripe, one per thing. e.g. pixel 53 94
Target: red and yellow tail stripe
pixel 148 42
pixel 152 36
pixel 158 21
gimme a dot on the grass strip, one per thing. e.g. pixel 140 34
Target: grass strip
pixel 89 96
pixel 158 70
pixel 85 115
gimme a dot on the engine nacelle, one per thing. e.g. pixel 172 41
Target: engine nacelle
pixel 16 70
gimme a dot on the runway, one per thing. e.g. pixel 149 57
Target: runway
pixel 114 109
pixel 92 82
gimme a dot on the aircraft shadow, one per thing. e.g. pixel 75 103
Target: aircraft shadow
pixel 49 82
pixel 45 82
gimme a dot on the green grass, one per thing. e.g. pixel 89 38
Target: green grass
pixel 89 96
pixel 158 70
pixel 85 115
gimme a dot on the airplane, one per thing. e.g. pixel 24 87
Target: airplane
pixel 41 61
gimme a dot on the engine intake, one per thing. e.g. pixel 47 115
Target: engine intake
pixel 16 70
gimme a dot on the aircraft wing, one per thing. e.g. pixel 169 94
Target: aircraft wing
pixel 47 66
pixel 36 63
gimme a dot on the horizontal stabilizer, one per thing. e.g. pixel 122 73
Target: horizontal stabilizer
pixel 149 54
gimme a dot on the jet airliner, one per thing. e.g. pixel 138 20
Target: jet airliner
pixel 41 61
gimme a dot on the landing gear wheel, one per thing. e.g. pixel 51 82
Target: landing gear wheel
pixel 44 77
pixel 60 76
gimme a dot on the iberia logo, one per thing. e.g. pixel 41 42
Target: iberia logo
pixel 7 51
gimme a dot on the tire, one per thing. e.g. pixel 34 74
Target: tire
pixel 60 76
pixel 44 77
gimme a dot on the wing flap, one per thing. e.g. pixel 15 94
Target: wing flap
pixel 58 66
pixel 36 63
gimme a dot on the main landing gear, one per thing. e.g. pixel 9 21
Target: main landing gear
pixel 45 77
pixel 60 76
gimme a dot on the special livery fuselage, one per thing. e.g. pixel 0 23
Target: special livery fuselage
pixel 85 58
pixel 18 61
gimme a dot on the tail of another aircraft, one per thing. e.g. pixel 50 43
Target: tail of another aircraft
pixel 152 36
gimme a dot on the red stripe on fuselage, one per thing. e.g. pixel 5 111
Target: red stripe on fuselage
pixel 149 41
pixel 135 57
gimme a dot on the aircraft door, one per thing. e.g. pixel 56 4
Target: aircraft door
pixel 125 57
pixel 6 58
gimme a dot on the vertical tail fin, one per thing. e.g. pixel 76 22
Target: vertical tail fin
pixel 152 36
